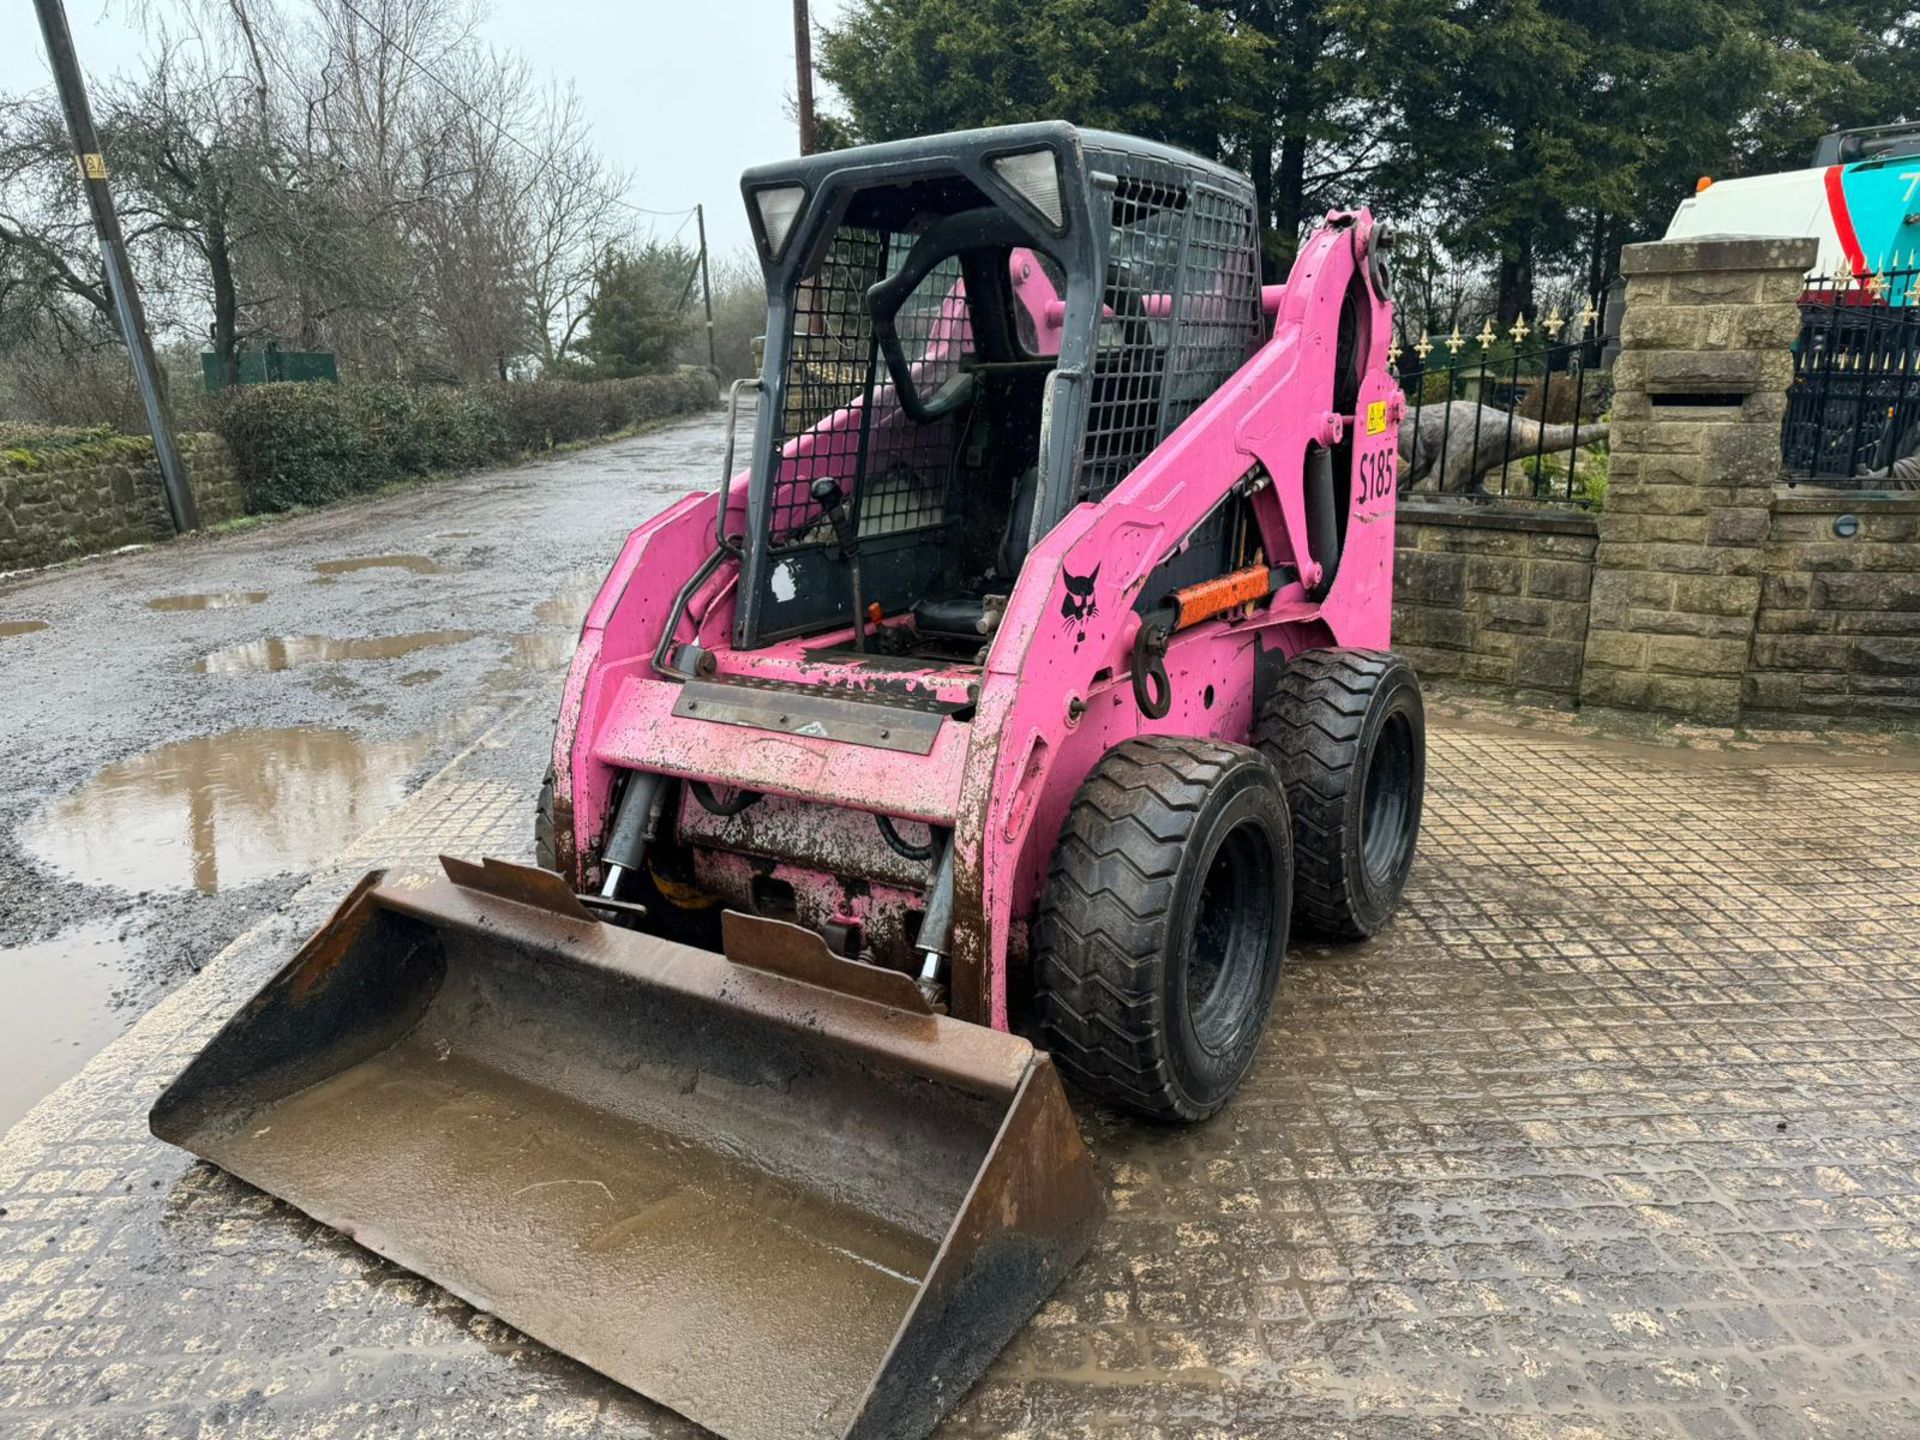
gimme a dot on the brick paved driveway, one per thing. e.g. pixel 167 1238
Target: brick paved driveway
pixel 1612 1135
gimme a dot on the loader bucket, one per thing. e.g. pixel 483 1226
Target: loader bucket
pixel 771 1190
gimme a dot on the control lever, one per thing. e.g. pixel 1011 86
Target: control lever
pixel 828 495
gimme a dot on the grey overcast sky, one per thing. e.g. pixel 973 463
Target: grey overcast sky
pixel 684 93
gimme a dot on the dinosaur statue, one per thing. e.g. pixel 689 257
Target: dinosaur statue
pixel 1466 458
pixel 1904 472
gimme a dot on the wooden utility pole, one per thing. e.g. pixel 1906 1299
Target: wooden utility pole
pixel 706 286
pixel 803 73
pixel 113 255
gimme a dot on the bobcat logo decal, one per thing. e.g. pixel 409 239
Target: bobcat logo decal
pixel 1078 606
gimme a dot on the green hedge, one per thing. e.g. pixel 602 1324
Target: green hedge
pixel 308 444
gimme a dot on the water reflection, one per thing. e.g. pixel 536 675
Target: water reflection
pixel 279 652
pixel 542 649
pixel 569 607
pixel 229 809
pixel 213 600
pixel 415 564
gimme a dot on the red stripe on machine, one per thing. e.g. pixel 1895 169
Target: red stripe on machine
pixel 1843 222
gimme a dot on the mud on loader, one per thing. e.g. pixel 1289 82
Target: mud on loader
pixel 1031 675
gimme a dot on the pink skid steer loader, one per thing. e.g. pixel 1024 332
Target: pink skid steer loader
pixel 1029 679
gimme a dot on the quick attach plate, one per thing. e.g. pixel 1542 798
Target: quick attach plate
pixel 809 712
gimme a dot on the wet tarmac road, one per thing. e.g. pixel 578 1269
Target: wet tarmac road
pixel 188 731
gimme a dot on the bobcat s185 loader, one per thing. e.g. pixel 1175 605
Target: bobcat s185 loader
pixel 1029 676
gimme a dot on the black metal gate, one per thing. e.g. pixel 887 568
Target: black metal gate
pixel 1854 410
pixel 1502 418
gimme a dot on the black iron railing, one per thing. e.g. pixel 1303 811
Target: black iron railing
pixel 1853 414
pixel 1499 418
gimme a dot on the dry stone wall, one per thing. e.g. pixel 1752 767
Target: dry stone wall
pixel 61 505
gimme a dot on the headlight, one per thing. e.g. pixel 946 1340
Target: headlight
pixel 779 208
pixel 1035 177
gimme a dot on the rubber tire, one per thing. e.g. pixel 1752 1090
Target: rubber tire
pixel 1113 931
pixel 546 853
pixel 1322 730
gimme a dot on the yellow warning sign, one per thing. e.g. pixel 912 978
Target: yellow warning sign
pixel 1377 417
pixel 93 167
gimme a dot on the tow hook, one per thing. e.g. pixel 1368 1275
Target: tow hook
pixel 1152 691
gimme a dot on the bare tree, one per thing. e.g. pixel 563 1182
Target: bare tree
pixel 739 316
pixel 364 176
pixel 1434 289
pixel 572 213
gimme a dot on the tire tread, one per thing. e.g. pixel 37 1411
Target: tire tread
pixel 1311 729
pixel 1098 932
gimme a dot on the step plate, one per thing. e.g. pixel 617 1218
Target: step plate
pixel 802 712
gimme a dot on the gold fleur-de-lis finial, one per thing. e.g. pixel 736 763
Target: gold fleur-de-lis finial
pixel 1842 271
pixel 1877 284
pixel 1456 342
pixel 1520 330
pixel 1486 336
pixel 1424 348
pixel 1588 314
pixel 1393 353
pixel 1553 324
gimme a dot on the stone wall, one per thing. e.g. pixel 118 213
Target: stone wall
pixel 1838 630
pixel 1708 589
pixel 1699 397
pixel 60 505
pixel 1494 595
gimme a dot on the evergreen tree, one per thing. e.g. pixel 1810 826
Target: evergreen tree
pixel 638 310
pixel 1544 133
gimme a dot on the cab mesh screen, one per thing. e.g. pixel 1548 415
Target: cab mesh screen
pixel 841 417
pixel 1181 313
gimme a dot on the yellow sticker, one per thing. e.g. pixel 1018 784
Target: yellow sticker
pixel 1377 417
pixel 93 167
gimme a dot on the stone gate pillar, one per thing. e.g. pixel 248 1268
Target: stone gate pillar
pixel 1699 397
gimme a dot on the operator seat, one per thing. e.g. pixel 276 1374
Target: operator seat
pixel 963 612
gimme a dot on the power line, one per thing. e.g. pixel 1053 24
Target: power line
pixel 505 134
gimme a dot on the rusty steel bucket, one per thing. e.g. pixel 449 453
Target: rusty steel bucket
pixel 771 1189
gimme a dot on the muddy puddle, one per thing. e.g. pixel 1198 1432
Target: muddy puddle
pixel 551 647
pixel 59 1011
pixel 214 600
pixel 226 810
pixel 569 607
pixel 413 564
pixel 541 649
pixel 283 652
pixel 20 627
